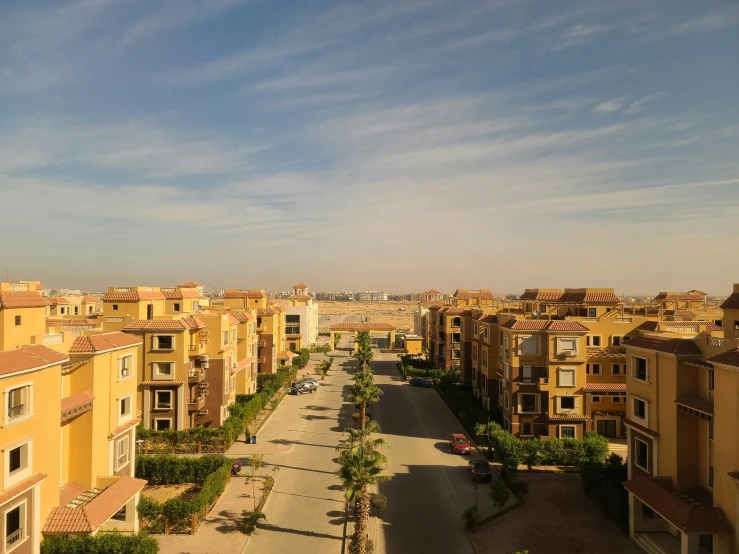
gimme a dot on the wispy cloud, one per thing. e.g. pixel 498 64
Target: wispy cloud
pixel 579 34
pixel 609 106
pixel 638 106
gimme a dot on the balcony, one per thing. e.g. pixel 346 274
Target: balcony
pixel 195 376
pixel 13 537
pixel 53 338
pixel 16 411
pixel 542 383
pixel 197 403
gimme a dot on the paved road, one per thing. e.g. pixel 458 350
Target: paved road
pixel 426 495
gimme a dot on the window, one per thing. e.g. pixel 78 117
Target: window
pixel 122 452
pixel 506 345
pixel 528 346
pixel 616 340
pixel 566 402
pixel 176 307
pixel 164 369
pixel 115 307
pixel 529 402
pixel 618 399
pixel 485 334
pixel 642 454
pixel 293 346
pixel 566 431
pixel 618 369
pixel 542 308
pixel 150 311
pixel 233 335
pixel 456 337
pixel 456 322
pixel 125 405
pixel 475 330
pixel 592 312
pixel 225 338
pixel 292 318
pixel 259 322
pixel 14 459
pixel 526 429
pixel 640 409
pixel 63 311
pixel 163 399
pixel 441 320
pixel 485 358
pixel 710 381
pixel 17 320
pixel 456 354
pixel 18 400
pixel 474 353
pixel 15 520
pixel 76 310
pixel 593 340
pixel 592 369
pixel 710 429
pixel 124 367
pixel 566 377
pixel 89 310
pixel 639 368
pixel 527 374
pixel 17 462
pixel 500 337
pixel 596 399
pixel 566 345
pixel 163 342
pixel 162 424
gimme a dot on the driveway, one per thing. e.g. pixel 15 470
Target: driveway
pixel 557 517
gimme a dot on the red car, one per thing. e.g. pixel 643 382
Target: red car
pixel 458 444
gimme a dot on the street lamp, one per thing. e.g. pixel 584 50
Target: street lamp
pixel 139 443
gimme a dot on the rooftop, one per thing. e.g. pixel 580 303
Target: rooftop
pixel 103 342
pixel 164 324
pixel 27 358
pixel 10 299
pixel 190 284
pixel 669 345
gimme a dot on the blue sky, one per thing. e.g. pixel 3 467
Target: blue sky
pixel 395 145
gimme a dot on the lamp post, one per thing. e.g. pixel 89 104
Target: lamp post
pixel 139 443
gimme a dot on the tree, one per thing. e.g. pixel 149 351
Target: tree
pixel 364 392
pixel 362 439
pixel 364 352
pixel 499 494
pixel 470 518
pixel 255 461
pixel 358 470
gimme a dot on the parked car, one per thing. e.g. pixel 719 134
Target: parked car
pixel 458 444
pixel 419 382
pixel 309 381
pixel 480 470
pixel 302 388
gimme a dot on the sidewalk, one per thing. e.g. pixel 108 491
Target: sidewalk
pixel 219 533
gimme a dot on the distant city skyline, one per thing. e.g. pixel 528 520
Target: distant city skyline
pixel 499 144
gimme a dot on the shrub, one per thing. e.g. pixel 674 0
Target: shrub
pixel 102 543
pixel 518 487
pixel 470 518
pixel 531 452
pixel 602 482
pixel 417 361
pixel 378 502
pixel 250 520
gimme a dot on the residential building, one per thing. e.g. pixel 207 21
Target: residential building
pixel 450 342
pixel 370 296
pixel 466 298
pixel 247 345
pixel 123 305
pixel 22 314
pixel 421 321
pixel 484 358
pixel 30 443
pixel 301 319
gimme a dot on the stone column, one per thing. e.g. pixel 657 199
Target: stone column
pixel 392 340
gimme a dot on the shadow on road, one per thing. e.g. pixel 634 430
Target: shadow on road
pixel 276 529
pixel 289 442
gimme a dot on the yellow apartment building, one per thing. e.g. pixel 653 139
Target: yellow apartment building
pixel 122 305
pixel 301 319
pixel 421 321
pixel 185 298
pixel 270 325
pixel 683 460
pixel 98 411
pixel 449 339
pixel 30 443
pixel 484 356
pixel 22 314
pixel 246 352
pixel 466 298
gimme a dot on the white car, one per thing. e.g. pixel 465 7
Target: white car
pixel 311 381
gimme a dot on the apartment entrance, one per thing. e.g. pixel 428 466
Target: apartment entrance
pixel 607 428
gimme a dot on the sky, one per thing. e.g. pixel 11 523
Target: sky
pixel 387 145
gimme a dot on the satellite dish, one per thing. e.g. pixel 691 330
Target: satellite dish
pixel 536 313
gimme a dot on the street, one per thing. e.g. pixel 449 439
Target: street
pixel 428 491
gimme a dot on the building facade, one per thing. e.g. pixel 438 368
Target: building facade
pixel 301 319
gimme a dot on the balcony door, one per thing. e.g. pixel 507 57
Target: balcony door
pixel 607 428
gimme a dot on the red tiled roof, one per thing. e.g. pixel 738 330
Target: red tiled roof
pixel 253 293
pixel 68 492
pixel 300 285
pixel 639 427
pixel 684 515
pixel 699 404
pixel 125 427
pixel 464 294
pixel 286 355
pixel 179 294
pixel 669 345
pixel 132 296
pixel 680 313
pixel 76 400
pixel 165 324
pixel 544 325
pixel 732 302
pixel 57 301
pixel 432 291
pixel 267 311
pixel 90 299
pixel 190 284
pixel 604 387
pixel 91 516
pixel 730 357
pixel 690 295
pixel 242 316
pixel 28 357
pixel 451 310
pixel 362 327
pixel 568 417
pixel 734 475
pixel 21 487
pixel 103 342
pixel 616 352
pixel 572 297
pixel 536 294
pixel 241 364
pixel 10 299
pixel 486 318
pixel 233 320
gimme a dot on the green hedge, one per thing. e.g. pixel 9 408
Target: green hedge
pixel 417 361
pixel 211 472
pixel 323 349
pixel 512 451
pixel 102 543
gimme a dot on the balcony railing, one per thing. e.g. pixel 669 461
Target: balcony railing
pixel 195 375
pixel 723 343
pixel 196 403
pixel 13 537
pixel 53 338
pixel 16 411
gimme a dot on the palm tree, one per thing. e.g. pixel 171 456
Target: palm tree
pixel 364 352
pixel 364 392
pixel 362 439
pixel 359 470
